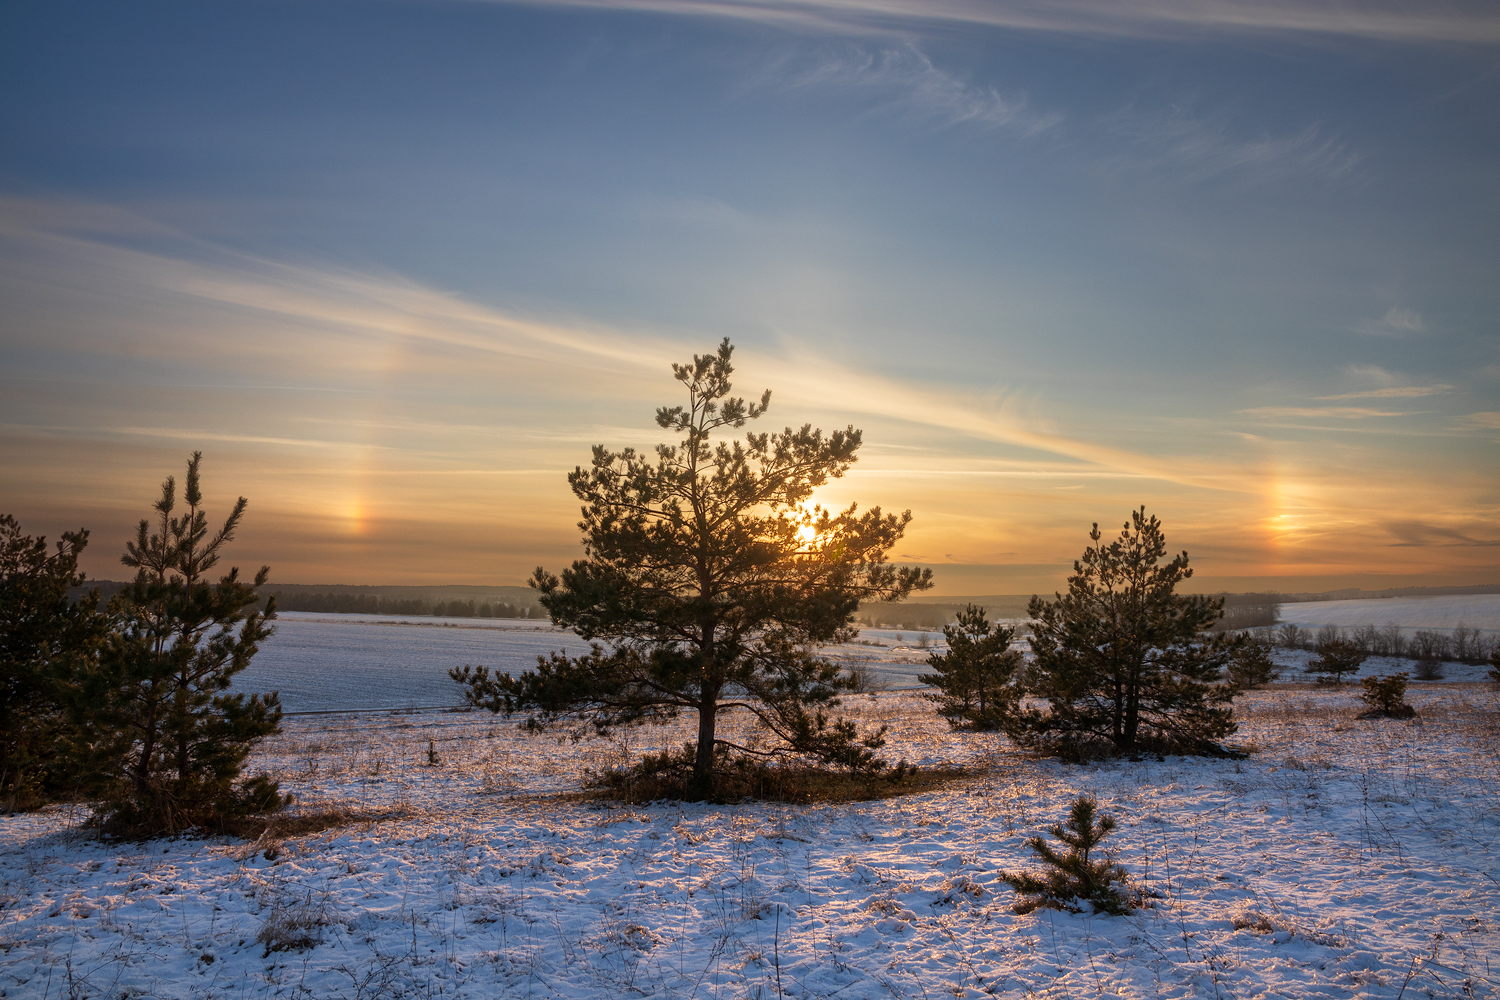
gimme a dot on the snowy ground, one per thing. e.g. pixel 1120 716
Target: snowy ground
pixel 1445 612
pixel 1345 858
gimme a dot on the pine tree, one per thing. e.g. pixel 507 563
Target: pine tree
pixel 1122 658
pixel 1386 697
pixel 1252 667
pixel 1074 875
pixel 44 638
pixel 712 582
pixel 975 678
pixel 1336 658
pixel 167 741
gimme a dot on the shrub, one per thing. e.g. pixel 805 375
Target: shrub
pixel 1495 666
pixel 1291 637
pixel 1336 658
pixel 1429 668
pixel 1328 634
pixel 1429 645
pixel 1386 697
pixel 1469 645
pixel 1075 875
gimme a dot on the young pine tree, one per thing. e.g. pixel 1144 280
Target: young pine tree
pixel 167 741
pixel 1336 658
pixel 713 581
pixel 1074 875
pixel 1120 657
pixel 1386 697
pixel 1252 667
pixel 975 678
pixel 45 637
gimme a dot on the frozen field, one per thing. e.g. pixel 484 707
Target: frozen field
pixel 1343 859
pixel 1446 612
pixel 321 662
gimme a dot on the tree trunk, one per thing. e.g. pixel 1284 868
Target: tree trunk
pixel 703 762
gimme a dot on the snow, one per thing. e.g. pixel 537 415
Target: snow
pixel 1445 612
pixel 323 662
pixel 1344 858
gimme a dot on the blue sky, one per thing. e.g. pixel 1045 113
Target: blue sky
pixel 394 266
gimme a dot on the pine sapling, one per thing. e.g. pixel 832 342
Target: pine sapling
pixel 1074 875
pixel 1336 657
pixel 1386 697
pixel 1252 667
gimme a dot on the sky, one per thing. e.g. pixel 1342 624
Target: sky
pixel 394 267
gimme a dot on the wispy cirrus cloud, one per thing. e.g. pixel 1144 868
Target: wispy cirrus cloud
pixel 347 327
pixel 1397 322
pixel 1488 420
pixel 1420 534
pixel 1200 148
pixel 1334 412
pixel 1464 22
pixel 1392 392
pixel 904 80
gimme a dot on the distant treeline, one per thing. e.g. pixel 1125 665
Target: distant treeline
pixel 457 601
pixel 370 604
pixel 1355 594
pixel 914 616
pixel 1464 645
pixel 1241 611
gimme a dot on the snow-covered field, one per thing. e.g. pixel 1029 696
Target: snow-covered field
pixel 1444 612
pixel 1344 858
pixel 321 662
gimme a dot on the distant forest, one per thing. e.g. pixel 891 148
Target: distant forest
pixel 370 604
pixel 1241 611
pixel 442 602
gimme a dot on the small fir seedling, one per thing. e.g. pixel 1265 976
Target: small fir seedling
pixel 1386 697
pixel 1075 875
pixel 1337 658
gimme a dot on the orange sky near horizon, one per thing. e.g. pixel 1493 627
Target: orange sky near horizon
pixel 387 433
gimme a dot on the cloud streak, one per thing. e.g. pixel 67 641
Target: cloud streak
pixel 1336 412
pixel 1392 392
pixel 348 321
pixel 911 83
pixel 1419 534
pixel 1397 322
pixel 1467 22
pixel 1201 149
